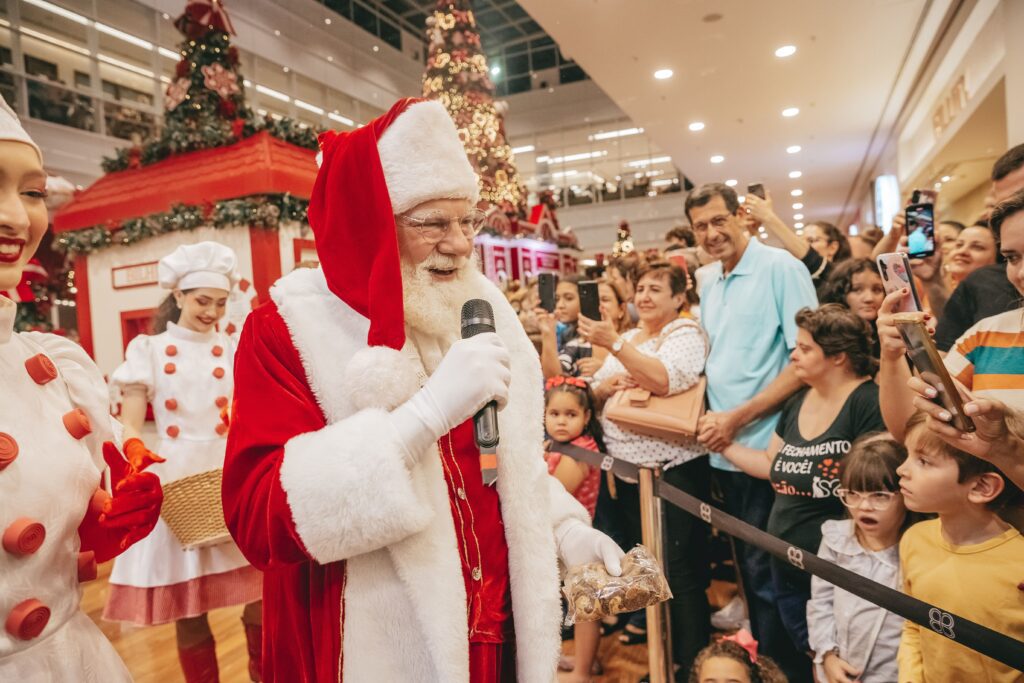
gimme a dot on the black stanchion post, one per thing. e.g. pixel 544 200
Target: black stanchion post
pixel 659 628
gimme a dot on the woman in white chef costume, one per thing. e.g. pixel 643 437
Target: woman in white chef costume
pixel 185 372
pixel 55 433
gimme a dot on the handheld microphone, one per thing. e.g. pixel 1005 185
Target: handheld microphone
pixel 478 318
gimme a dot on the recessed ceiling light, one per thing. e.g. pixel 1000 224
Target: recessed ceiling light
pixel 946 178
pixel 796 193
pixel 697 125
pixel 793 149
pixel 277 32
pixel 717 159
pixel 327 20
pixel 376 48
pixel 495 70
pixel 798 225
pixel 165 15
pixel 731 182
pixel 790 112
pixel 286 69
pixel 330 58
pixel 662 74
pixel 795 174
pixel 798 216
pixel 741 199
pixel 786 51
pixel 798 206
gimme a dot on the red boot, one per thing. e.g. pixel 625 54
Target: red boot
pixel 254 643
pixel 199 662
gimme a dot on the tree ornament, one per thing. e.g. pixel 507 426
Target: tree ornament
pixel 176 93
pixel 220 80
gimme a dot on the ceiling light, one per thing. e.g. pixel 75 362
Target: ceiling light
pixel 277 32
pixel 796 193
pixel 662 74
pixel 330 58
pixel 607 135
pixel 495 70
pixel 790 112
pixel 731 182
pixel 761 230
pixel 335 116
pixel 793 149
pixel 55 41
pixel 376 48
pixel 946 178
pixel 59 11
pixel 640 163
pixel 741 199
pixel 169 54
pixel 327 20
pixel 795 174
pixel 166 16
pixel 309 107
pixel 717 159
pixel 573 157
pixel 273 93
pixel 798 225
pixel 286 69
pixel 126 66
pixel 798 206
pixel 786 51
pixel 523 150
pixel 697 125
pixel 126 37
pixel 798 216
pixel 562 174
pixel 663 182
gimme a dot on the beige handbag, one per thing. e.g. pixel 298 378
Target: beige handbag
pixel 664 417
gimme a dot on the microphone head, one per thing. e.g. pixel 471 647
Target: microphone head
pixel 477 318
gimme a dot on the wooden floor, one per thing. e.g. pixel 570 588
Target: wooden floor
pixel 152 656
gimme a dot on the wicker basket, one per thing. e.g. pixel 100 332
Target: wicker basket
pixel 193 510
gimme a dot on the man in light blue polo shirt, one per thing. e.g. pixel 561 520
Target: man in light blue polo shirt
pixel 748 307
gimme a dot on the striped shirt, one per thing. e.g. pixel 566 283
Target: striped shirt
pixel 989 358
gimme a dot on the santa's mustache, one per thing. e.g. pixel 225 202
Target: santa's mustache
pixel 439 261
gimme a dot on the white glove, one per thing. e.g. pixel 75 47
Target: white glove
pixel 474 372
pixel 580 544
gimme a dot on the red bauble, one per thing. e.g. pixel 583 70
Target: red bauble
pixel 227 109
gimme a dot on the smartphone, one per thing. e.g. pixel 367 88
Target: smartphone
pixel 756 188
pixel 896 274
pixel 546 284
pixel 590 300
pixel 921 229
pixel 925 357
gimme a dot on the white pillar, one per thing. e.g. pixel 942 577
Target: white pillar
pixel 1013 27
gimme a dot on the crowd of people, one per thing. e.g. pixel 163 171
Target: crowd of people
pixel 817 428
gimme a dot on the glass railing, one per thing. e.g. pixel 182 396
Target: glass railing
pixel 54 103
pixel 128 121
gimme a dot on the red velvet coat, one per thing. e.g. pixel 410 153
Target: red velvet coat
pixel 318 495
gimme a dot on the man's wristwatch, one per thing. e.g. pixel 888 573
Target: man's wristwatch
pixel 617 346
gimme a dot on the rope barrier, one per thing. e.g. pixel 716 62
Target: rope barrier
pixel 982 639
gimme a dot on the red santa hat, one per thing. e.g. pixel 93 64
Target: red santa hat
pixel 410 155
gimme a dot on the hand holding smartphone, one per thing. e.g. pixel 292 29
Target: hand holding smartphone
pixel 920 227
pixel 925 357
pixel 896 274
pixel 546 285
pixel 590 300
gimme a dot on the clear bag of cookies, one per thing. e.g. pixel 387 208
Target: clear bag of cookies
pixel 592 593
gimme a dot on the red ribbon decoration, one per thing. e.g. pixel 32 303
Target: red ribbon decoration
pixel 206 14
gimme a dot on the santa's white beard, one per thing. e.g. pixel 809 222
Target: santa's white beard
pixel 432 307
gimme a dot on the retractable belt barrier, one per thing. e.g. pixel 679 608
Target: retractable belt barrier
pixel 979 638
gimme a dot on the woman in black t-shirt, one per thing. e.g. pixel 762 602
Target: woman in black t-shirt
pixel 815 430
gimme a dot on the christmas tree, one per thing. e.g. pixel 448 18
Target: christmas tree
pixel 205 103
pixel 457 75
pixel 623 241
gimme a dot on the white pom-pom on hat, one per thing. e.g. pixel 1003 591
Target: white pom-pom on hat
pixel 379 377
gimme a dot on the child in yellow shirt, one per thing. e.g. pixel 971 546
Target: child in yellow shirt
pixel 968 561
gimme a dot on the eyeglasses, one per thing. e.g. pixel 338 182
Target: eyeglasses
pixel 718 222
pixel 434 227
pixel 877 500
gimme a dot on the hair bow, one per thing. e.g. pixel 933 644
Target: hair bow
pixel 745 639
pixel 562 379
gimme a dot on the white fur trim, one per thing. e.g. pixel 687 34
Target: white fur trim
pixel 349 490
pixel 423 158
pixel 379 377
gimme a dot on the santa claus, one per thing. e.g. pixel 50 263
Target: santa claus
pixel 352 476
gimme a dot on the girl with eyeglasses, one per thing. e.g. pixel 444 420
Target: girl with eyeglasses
pixel 853 639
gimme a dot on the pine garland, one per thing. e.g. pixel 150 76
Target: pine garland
pixel 263 211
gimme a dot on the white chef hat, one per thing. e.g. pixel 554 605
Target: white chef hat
pixel 11 129
pixel 206 264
